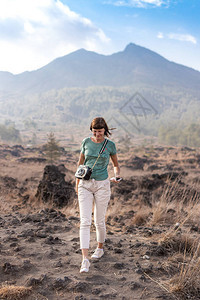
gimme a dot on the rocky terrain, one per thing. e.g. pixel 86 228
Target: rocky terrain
pixel 153 227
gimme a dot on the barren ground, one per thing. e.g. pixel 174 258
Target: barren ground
pixel 153 228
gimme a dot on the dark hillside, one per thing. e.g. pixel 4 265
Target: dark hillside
pixel 135 65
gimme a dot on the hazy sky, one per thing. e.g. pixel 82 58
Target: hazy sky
pixel 34 32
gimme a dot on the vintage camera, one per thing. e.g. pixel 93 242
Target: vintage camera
pixel 83 172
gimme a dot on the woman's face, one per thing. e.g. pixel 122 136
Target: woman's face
pixel 98 133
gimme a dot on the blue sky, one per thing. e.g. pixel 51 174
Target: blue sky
pixel 34 32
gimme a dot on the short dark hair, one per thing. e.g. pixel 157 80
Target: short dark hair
pixel 99 123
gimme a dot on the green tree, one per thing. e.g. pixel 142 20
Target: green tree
pixel 34 139
pixel 10 134
pixel 9 122
pixel 29 124
pixel 52 149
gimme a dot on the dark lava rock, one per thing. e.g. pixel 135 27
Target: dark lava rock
pixel 81 287
pixel 54 188
pixel 117 250
pixel 194 228
pixel 32 159
pixel 32 281
pixel 169 175
pixel 2 222
pixel 187 149
pixel 9 182
pixel 58 264
pixel 60 283
pixel 73 218
pixel 108 296
pixel 19 147
pixel 16 153
pixel 149 183
pixel 110 232
pixel 153 167
pixel 41 234
pixel 135 285
pixel 9 268
pixel 12 245
pixel 51 240
pixel 158 251
pixel 97 279
pixel 27 233
pixel 137 163
pixel 52 254
pixel 96 291
pixel 119 266
pixel 27 265
pixel 10 239
pixel 81 297
pixel 125 189
pixel 130 229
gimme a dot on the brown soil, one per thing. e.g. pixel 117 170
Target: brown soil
pixel 152 226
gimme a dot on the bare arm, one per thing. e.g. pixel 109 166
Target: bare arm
pixel 81 159
pixel 115 165
pixel 80 162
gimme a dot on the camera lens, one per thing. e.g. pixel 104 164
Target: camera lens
pixel 81 172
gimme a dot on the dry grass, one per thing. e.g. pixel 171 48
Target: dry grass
pixel 115 208
pixel 72 209
pixel 21 171
pixel 187 283
pixel 4 205
pixel 172 263
pixel 193 215
pixel 184 249
pixel 161 207
pixel 177 242
pixel 12 292
pixel 141 217
pixel 175 205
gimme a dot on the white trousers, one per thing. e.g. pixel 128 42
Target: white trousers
pixel 99 192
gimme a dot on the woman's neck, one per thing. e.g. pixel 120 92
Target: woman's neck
pixel 95 140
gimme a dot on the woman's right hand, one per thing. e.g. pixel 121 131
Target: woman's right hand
pixel 77 182
pixel 80 162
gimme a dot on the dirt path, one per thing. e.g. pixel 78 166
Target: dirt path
pixel 41 250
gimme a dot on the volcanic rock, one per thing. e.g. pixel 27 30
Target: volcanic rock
pixel 53 188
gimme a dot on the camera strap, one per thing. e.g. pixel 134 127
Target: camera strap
pixel 100 152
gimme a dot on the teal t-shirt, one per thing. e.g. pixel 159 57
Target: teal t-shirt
pixel 91 151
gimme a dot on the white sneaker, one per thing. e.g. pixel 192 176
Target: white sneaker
pixel 85 266
pixel 98 253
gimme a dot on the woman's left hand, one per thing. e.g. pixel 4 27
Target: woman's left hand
pixel 115 179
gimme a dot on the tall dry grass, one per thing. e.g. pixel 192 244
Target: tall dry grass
pixel 12 292
pixel 186 283
pixel 180 210
pixel 175 205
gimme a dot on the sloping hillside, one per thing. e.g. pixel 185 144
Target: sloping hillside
pixel 135 65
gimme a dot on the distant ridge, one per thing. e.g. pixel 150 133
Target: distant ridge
pixel 82 68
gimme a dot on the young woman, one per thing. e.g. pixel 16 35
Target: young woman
pixel 96 189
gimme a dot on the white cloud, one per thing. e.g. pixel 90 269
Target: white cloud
pixel 178 37
pixel 182 37
pixel 34 32
pixel 160 35
pixel 140 3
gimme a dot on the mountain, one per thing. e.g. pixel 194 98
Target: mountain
pixel 135 65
